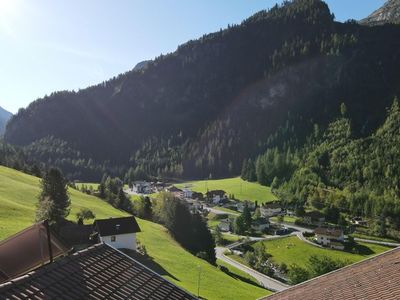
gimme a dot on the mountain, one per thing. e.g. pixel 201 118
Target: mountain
pixel 142 65
pixel 388 13
pixel 230 95
pixel 4 117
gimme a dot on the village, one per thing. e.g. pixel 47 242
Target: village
pixel 269 221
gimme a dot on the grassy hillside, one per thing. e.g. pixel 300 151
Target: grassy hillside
pixel 242 190
pixel 18 198
pixel 292 250
pixel 182 268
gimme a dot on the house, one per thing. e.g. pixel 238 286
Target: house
pixel 250 205
pixel 98 272
pixel 176 191
pixel 261 224
pixel 330 237
pixel 314 218
pixel 373 278
pixel 225 225
pixel 187 193
pixel 270 209
pixel 119 233
pixel 198 196
pixel 194 206
pixel 216 196
pixel 143 187
pixel 290 213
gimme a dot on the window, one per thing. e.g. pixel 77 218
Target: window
pixel 113 238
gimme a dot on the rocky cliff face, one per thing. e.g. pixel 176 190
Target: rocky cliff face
pixel 388 13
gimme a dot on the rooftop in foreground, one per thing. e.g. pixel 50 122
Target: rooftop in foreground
pixel 98 272
pixel 373 278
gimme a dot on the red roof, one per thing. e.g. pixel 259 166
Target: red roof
pixel 373 278
pixel 27 250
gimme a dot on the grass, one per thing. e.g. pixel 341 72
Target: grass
pixel 236 273
pixel 242 190
pixel 292 250
pixel 18 197
pixel 182 268
pixel 212 224
pixel 227 210
pixel 286 219
pixel 94 186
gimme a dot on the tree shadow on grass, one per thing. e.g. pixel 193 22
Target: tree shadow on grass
pixel 149 262
pixel 364 250
pixel 239 277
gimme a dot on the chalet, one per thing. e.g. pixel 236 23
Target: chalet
pixel 216 196
pixel 187 193
pixel 194 206
pixel 198 196
pixel 98 272
pixel 314 218
pixel 225 225
pixel 119 233
pixel 270 209
pixel 177 192
pixel 143 187
pixel 330 237
pixel 261 224
pixel 240 206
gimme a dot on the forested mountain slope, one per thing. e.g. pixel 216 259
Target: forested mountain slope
pixel 224 97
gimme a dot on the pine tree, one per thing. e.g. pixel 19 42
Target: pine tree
pixel 54 203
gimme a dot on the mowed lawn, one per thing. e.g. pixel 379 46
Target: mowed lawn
pixel 19 196
pixel 292 250
pixel 242 190
pixel 182 268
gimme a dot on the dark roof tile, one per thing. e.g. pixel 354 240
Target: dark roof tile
pixel 99 272
pixel 115 226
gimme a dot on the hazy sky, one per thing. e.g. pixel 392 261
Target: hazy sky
pixel 48 45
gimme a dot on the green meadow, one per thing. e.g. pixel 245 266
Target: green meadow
pixel 18 198
pixel 242 190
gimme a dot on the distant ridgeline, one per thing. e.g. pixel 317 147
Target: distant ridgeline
pixel 215 101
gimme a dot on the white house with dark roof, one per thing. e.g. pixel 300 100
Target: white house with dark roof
pixel 119 233
pixel 330 237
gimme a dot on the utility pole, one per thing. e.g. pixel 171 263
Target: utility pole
pixel 198 281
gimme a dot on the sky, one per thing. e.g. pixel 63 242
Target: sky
pixel 48 45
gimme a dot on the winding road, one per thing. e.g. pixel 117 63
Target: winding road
pixel 266 281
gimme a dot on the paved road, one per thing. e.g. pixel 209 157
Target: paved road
pixel 268 282
pixel 220 212
pixel 377 242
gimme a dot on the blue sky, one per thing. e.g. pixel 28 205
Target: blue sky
pixel 49 45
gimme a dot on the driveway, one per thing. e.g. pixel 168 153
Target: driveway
pixel 267 282
pixel 220 212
